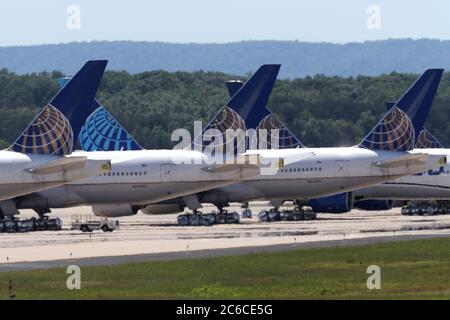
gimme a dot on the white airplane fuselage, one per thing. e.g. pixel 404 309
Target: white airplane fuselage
pixel 432 184
pixel 144 176
pixel 16 178
pixel 311 172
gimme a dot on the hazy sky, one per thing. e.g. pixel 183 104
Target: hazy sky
pixel 24 22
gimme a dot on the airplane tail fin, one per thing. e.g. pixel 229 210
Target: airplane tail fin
pixel 394 132
pixel 242 108
pixel 233 86
pixel 55 129
pixel 268 121
pixel 389 105
pixel 427 141
pixel 417 100
pixel 102 132
pixel 400 126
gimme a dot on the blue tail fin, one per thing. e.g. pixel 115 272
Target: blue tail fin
pixel 417 100
pixel 251 99
pixel 243 109
pixel 268 121
pixel 389 105
pixel 102 132
pixel 401 125
pixel 233 86
pixel 55 128
pixel 427 141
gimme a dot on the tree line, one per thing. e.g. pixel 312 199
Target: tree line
pixel 320 110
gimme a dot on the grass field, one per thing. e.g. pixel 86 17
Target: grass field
pixel 409 269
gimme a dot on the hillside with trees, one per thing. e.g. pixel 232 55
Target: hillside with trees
pixel 321 110
pixel 299 59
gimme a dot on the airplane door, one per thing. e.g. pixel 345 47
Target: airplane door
pixel 166 172
pixel 340 168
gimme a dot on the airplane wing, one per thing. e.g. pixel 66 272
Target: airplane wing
pixel 60 165
pixel 247 161
pixel 409 159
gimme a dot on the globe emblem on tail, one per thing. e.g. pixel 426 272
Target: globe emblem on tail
pixel 395 132
pixel 49 133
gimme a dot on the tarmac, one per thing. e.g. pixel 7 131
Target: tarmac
pixel 158 237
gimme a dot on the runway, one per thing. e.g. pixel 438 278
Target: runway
pixel 151 238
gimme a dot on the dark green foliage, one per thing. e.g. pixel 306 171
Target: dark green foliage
pixel 322 111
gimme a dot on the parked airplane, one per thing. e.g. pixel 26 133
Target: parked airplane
pixel 417 96
pixel 417 105
pixel 40 157
pixel 138 177
pixel 428 185
pixel 307 172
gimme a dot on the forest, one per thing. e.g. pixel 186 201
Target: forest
pixel 321 110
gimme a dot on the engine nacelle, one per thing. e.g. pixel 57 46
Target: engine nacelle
pixel 114 210
pixel 162 209
pixel 338 203
pixel 374 205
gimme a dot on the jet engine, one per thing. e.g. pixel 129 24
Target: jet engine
pixel 374 205
pixel 162 208
pixel 338 203
pixel 114 210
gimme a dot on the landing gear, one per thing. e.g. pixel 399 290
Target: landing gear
pixel 246 212
pixel 208 219
pixel 426 208
pixel 13 225
pixel 297 214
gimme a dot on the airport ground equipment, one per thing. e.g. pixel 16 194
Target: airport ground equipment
pixel 90 223
pixel 14 225
pixel 426 208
